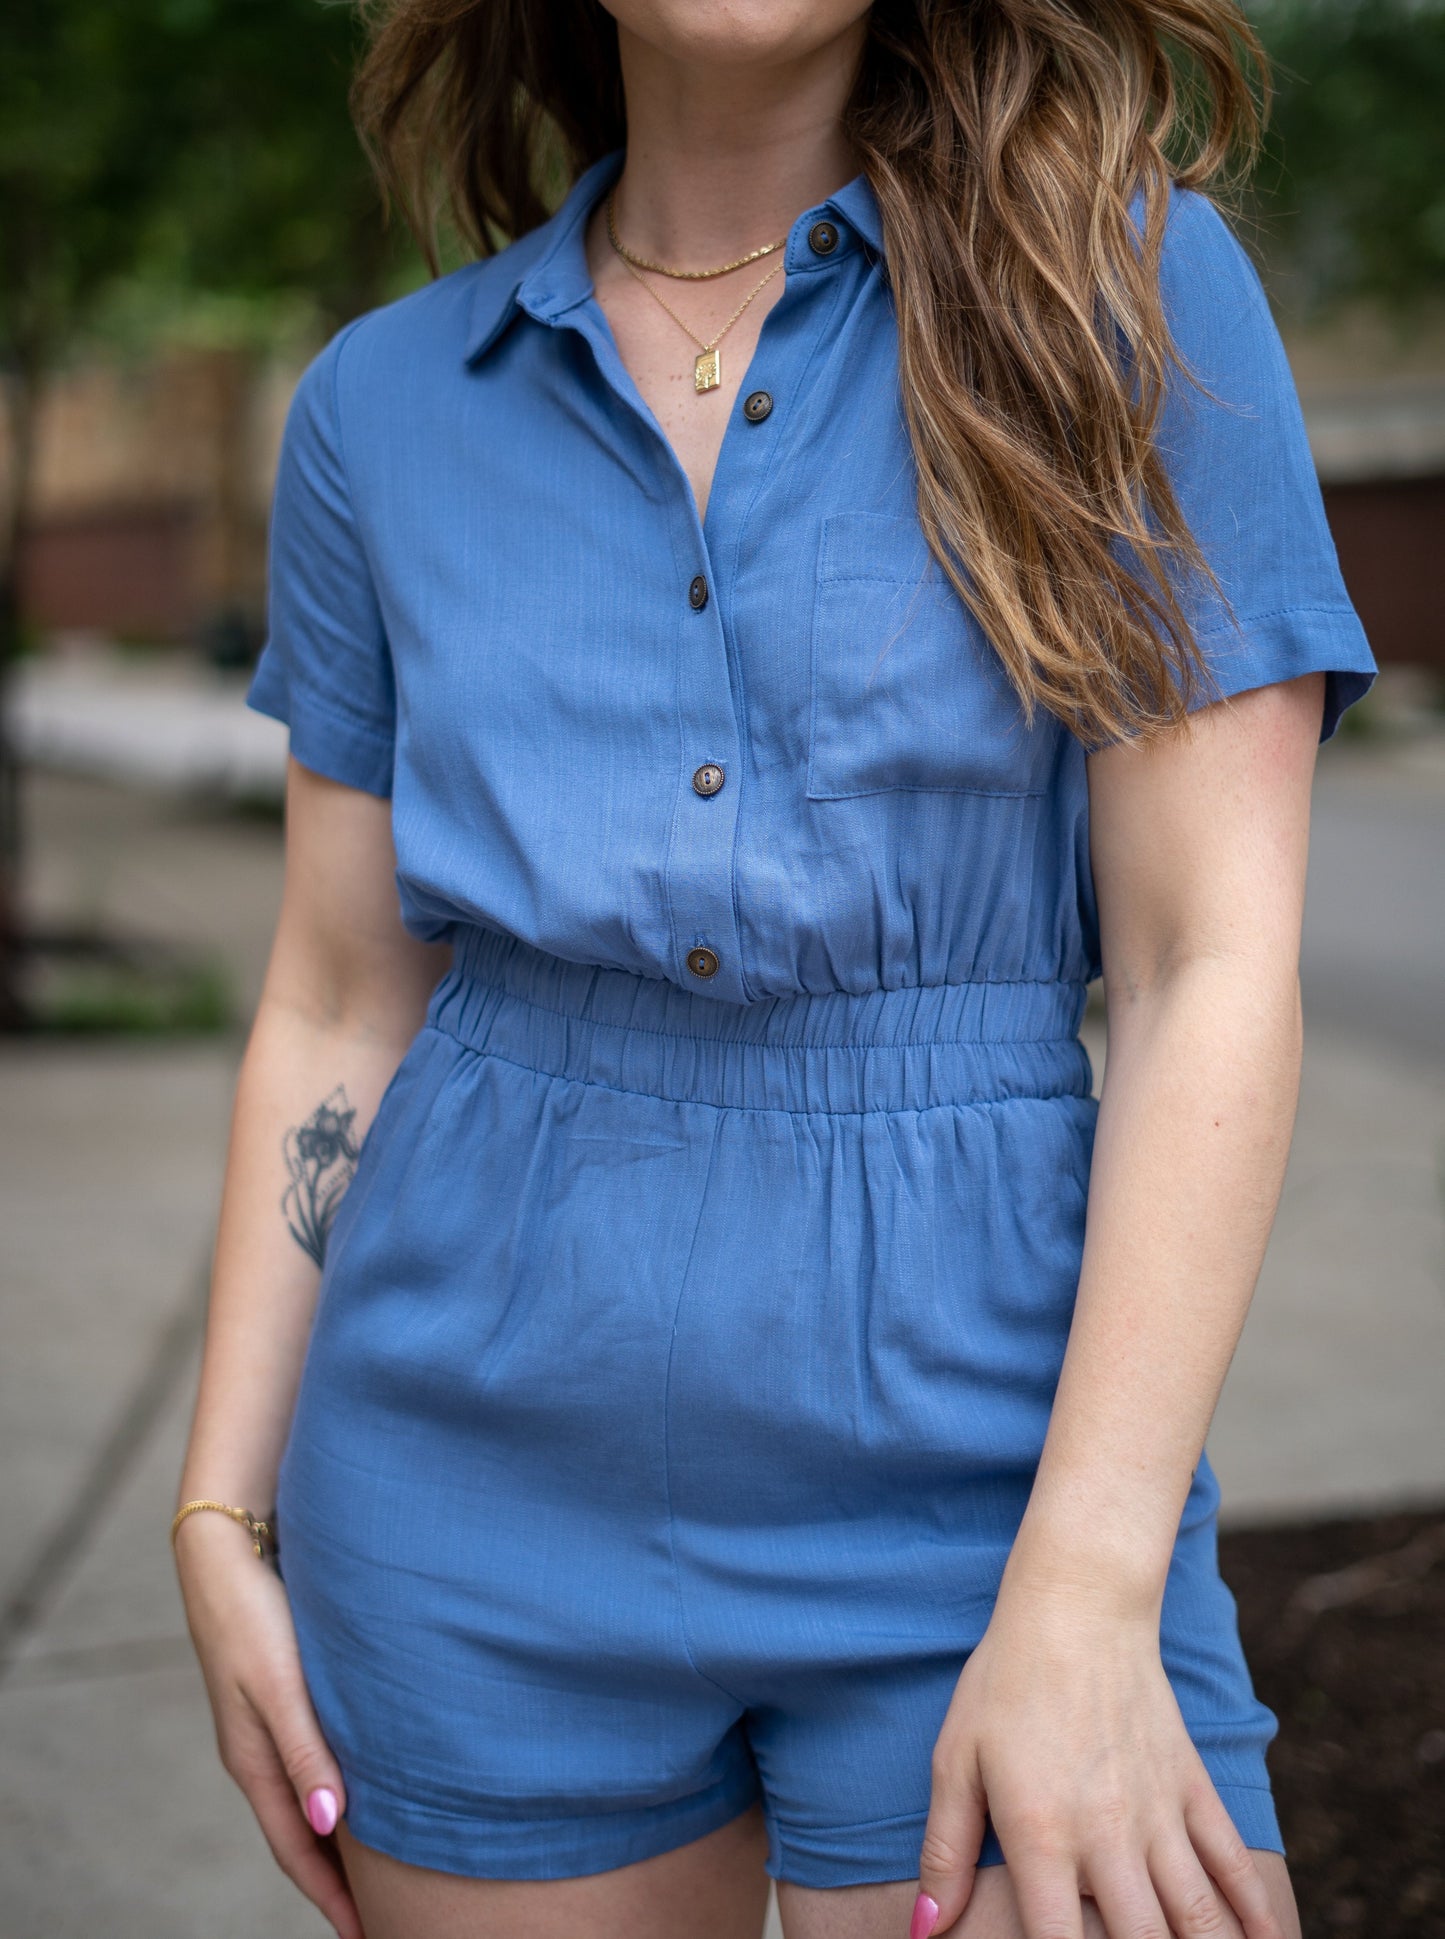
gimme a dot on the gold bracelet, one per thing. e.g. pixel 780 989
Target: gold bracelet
pixel 261 1535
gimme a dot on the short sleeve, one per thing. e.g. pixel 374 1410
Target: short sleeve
pixel 325 668
pixel 1239 460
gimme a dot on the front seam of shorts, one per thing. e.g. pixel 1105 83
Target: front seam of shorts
pixel 731 1696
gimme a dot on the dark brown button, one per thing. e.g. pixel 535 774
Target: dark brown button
pixel 702 962
pixel 708 778
pixel 697 593
pixel 822 238
pixel 757 405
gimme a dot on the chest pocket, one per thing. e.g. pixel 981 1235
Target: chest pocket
pixel 906 691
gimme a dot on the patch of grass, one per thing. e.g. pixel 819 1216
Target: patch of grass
pixel 96 987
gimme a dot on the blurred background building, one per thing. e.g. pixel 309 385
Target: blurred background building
pixel 147 506
pixel 185 217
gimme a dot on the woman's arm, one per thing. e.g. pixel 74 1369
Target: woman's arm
pixel 1199 860
pixel 345 993
pixel 1065 1724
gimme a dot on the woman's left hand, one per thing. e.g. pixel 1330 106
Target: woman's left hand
pixel 1064 1726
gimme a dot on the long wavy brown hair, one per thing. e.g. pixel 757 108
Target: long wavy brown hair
pixel 1005 141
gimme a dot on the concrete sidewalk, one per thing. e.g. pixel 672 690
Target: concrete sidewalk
pixel 114 1815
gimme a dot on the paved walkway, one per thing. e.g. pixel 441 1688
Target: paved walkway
pixel 114 1814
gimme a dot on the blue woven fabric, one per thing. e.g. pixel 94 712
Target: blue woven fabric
pixel 685 1343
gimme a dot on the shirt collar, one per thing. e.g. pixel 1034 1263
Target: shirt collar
pixel 858 206
pixel 544 274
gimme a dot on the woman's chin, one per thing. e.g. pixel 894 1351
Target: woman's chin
pixel 749 33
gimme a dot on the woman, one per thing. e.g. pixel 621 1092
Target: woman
pixel 845 579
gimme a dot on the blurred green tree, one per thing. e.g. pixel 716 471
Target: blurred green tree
pixel 1353 179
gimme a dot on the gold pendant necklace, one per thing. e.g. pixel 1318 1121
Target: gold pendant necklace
pixel 707 365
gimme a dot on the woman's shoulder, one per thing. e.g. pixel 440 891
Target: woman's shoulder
pixel 421 338
pixel 1205 269
pixel 1218 314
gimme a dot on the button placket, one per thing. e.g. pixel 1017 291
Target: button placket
pixel 696 837
pixel 710 948
pixel 698 864
pixel 749 459
pixel 700 854
pixel 700 851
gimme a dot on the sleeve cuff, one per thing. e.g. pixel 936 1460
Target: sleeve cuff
pixel 323 738
pixel 1279 646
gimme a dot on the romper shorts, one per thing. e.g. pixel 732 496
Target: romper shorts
pixel 677 1381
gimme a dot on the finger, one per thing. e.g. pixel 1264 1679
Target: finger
pixel 285 1709
pixel 312 1867
pixel 1191 1903
pixel 251 1756
pixel 1046 1885
pixel 1121 1887
pixel 952 1840
pixel 1230 1863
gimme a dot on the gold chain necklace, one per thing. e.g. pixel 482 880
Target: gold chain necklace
pixel 707 365
pixel 683 275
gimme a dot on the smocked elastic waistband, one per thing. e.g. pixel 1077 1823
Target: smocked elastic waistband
pixel 881 1050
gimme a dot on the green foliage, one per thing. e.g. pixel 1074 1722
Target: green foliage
pixel 111 991
pixel 78 165
pixel 199 149
pixel 1353 183
pixel 270 195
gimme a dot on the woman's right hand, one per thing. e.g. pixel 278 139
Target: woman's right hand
pixel 269 1738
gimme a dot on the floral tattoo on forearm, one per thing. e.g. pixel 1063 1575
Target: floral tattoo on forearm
pixel 321 1158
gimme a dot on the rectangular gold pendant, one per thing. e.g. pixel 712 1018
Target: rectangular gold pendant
pixel 707 370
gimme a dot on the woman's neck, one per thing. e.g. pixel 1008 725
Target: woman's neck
pixel 721 159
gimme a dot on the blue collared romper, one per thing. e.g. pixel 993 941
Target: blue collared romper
pixel 687 1338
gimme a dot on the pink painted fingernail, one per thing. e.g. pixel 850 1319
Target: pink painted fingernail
pixel 925 1917
pixel 321 1810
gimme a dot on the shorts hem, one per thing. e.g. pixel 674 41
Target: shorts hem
pixel 883 1851
pixel 574 1844
pixel 877 1852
